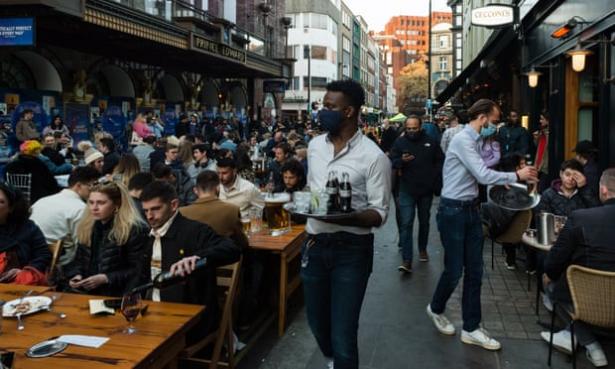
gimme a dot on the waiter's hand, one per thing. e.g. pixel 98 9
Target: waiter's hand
pixel 185 266
pixel 528 174
pixel 407 157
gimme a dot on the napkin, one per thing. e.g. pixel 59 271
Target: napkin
pixel 99 307
pixel 86 341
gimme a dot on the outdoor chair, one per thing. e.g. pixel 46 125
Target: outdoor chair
pixel 593 299
pixel 23 182
pixel 56 249
pixel 228 281
pixel 513 233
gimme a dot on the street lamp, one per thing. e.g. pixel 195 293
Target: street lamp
pixel 578 55
pixel 532 77
pixel 287 23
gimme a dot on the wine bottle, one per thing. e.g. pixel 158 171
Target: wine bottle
pixel 167 278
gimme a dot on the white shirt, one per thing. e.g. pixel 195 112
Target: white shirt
pixel 156 264
pixel 242 193
pixel 370 177
pixel 58 216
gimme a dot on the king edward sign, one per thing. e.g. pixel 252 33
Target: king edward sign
pixel 493 16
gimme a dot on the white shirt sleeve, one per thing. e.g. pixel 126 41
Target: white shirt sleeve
pixel 378 186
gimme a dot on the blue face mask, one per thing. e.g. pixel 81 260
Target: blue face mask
pixel 331 120
pixel 488 131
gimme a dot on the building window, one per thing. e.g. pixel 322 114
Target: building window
pixel 318 83
pixel 294 84
pixel 319 21
pixel 319 52
pixel 443 41
pixel 345 43
pixel 443 63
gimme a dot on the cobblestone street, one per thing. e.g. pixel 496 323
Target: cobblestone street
pixel 396 333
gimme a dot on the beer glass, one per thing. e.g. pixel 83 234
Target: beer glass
pixel 256 219
pixel 278 219
pixel 245 222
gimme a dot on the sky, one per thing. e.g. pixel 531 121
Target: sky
pixel 377 13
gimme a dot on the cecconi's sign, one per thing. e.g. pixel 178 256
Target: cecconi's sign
pixel 493 16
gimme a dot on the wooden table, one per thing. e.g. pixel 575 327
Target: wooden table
pixel 159 339
pixel 288 246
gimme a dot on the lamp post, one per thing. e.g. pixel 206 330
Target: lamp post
pixel 429 54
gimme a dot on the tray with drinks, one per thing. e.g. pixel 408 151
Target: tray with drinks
pixel 337 215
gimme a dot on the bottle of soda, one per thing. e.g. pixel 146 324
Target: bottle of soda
pixel 332 189
pixel 345 193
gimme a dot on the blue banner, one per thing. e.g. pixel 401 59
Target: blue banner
pixel 114 122
pixel 16 31
pixel 77 119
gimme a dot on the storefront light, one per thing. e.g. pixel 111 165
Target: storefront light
pixel 578 58
pixel 532 77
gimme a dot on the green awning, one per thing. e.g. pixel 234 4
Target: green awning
pixel 399 118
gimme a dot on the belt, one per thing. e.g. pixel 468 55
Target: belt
pixel 460 203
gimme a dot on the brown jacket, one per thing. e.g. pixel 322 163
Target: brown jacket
pixel 224 218
pixel 26 130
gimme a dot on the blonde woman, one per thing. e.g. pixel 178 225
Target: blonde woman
pixel 111 237
pixel 127 167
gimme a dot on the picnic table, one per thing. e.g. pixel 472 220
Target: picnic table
pixel 160 336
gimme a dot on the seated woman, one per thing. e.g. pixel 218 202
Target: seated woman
pixel 24 254
pixel 112 237
pixel 568 193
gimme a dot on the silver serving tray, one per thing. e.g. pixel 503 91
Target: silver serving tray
pixel 46 348
pixel 290 207
pixel 515 198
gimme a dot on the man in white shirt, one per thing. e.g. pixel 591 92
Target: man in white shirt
pixel 337 257
pixel 58 215
pixel 235 189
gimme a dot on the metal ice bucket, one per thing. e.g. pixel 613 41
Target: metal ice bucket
pixel 545 225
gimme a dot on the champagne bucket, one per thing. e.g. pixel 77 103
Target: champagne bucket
pixel 545 225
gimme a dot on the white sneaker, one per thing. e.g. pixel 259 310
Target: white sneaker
pixel 480 337
pixel 561 340
pixel 441 322
pixel 546 301
pixel 595 355
pixel 329 363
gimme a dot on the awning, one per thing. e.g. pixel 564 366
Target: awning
pixel 498 41
pixel 398 118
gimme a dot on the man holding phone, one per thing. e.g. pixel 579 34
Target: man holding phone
pixel 418 158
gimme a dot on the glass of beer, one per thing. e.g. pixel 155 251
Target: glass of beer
pixel 278 219
pixel 245 222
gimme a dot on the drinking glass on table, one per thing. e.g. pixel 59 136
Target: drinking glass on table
pixel 131 307
pixel 302 201
pixel 256 219
pixel 245 222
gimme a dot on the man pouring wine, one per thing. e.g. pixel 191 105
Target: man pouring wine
pixel 181 246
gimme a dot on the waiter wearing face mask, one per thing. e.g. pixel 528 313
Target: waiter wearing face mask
pixel 337 257
pixel 418 158
pixel 460 226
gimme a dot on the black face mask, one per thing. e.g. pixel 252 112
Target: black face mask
pixel 413 135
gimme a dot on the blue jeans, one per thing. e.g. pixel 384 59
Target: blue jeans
pixel 407 206
pixel 462 238
pixel 334 283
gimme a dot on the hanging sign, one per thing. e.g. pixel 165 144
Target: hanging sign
pixel 493 16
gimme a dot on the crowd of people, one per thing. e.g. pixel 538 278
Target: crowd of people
pixel 126 215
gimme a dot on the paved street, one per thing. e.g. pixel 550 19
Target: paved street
pixel 396 333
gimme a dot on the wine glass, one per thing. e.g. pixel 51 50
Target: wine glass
pixel 131 306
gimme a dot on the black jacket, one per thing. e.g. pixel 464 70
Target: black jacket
pixel 185 238
pixel 43 183
pixel 514 139
pixel 586 240
pixel 423 175
pixel 592 174
pixel 122 264
pixel 28 242
pixel 111 160
pixel 553 202
pixel 388 138
pixel 53 155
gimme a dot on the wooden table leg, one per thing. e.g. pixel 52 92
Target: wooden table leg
pixel 283 292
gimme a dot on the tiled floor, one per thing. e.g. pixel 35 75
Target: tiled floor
pixel 395 332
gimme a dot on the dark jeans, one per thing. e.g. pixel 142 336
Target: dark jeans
pixel 334 283
pixel 407 207
pixel 462 237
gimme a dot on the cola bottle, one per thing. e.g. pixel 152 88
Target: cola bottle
pixel 345 193
pixel 332 189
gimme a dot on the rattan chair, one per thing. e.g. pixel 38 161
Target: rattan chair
pixel 593 298
pixel 514 232
pixel 23 182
